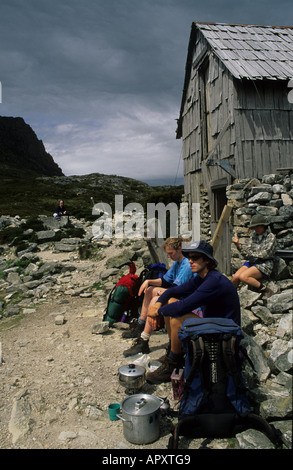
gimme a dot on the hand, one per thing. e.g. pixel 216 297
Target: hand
pixel 235 240
pixel 153 310
pixel 153 322
pixel 143 287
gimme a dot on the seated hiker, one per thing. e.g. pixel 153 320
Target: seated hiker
pixel 210 290
pixel 179 272
pixel 60 210
pixel 259 252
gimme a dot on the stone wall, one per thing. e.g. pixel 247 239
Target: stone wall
pixel 205 216
pixel 272 197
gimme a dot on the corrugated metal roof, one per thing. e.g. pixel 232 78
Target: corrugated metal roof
pixel 253 52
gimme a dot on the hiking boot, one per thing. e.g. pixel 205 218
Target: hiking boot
pixel 162 373
pixel 139 346
pixel 134 331
pixel 267 293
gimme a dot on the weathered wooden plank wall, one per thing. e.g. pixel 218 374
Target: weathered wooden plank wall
pixel 247 123
pixel 263 120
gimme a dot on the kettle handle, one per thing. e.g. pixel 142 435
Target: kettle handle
pixel 124 420
pixel 140 403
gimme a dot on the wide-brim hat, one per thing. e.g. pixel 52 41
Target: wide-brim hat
pixel 199 247
pixel 258 219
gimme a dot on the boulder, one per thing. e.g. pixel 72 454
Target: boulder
pixel 280 303
pixel 253 439
pixel 280 359
pixel 51 223
pixel 45 234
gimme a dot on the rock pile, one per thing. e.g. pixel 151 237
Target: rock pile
pixel 271 197
pixel 25 276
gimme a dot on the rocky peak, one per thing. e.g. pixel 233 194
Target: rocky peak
pixel 21 152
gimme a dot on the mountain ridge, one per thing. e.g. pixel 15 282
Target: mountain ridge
pixel 21 152
pixel 32 183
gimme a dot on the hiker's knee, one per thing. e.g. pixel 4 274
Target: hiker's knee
pixel 175 323
pixel 245 275
pixel 236 277
pixel 242 277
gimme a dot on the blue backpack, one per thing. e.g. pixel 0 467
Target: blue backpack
pixel 214 403
pixel 212 367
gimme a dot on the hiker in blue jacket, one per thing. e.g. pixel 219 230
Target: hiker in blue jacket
pixel 60 210
pixel 210 290
pixel 179 273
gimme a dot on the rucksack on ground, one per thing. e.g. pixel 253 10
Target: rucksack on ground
pixel 214 403
pixel 123 297
pixel 152 271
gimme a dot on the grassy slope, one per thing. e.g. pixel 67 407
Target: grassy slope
pixel 32 196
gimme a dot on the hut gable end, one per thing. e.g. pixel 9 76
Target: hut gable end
pixel 235 119
pixel 235 98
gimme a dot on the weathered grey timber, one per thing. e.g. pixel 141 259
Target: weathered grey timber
pixel 236 110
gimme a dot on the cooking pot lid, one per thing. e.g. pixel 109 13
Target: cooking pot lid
pixel 141 404
pixel 132 370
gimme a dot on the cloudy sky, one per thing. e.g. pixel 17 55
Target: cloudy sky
pixel 100 81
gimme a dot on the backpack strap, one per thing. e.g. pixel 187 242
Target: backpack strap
pixel 108 302
pixel 110 296
pixel 228 349
pixel 196 351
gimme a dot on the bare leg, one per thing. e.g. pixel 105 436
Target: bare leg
pixel 251 276
pixel 173 325
pixel 175 356
pixel 151 292
pixel 236 278
pixel 148 329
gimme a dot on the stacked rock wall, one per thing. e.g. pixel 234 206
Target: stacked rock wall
pixel 271 197
pixel 267 322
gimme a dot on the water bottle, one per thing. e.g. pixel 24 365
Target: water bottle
pixel 124 316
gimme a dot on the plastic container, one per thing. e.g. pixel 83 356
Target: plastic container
pixel 177 381
pixel 114 409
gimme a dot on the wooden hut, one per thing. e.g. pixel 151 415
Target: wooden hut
pixel 236 118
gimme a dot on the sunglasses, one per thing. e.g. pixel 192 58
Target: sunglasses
pixel 194 257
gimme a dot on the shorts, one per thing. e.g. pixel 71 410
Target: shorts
pixel 248 265
pixel 198 312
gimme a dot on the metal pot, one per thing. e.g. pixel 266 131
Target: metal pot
pixel 140 414
pixel 132 376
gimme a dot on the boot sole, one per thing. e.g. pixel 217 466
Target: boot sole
pixel 126 354
pixel 157 382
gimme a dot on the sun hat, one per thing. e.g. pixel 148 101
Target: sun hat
pixel 258 219
pixel 199 247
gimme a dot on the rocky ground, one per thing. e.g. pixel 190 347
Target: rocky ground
pixel 58 376
pixel 57 380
